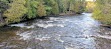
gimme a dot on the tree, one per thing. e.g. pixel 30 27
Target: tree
pixel 55 9
pixel 16 11
pixel 71 5
pixel 51 7
pixel 90 6
pixel 3 5
pixel 31 8
pixel 41 9
pixel 79 6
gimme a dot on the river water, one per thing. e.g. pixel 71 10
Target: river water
pixel 62 32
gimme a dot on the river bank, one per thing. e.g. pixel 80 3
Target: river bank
pixel 3 23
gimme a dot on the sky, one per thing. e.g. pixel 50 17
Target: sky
pixel 89 0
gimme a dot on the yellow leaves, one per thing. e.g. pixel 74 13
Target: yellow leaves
pixel 89 7
pixel 90 4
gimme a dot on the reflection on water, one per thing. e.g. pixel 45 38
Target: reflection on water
pixel 64 32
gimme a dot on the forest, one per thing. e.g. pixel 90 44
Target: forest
pixel 12 11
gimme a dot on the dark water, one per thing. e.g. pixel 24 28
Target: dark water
pixel 64 32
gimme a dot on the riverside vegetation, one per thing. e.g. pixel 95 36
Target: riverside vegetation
pixel 18 10
pixel 102 11
pixel 12 11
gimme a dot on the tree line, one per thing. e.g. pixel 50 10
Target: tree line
pixel 102 11
pixel 17 10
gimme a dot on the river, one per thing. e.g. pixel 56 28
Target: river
pixel 62 32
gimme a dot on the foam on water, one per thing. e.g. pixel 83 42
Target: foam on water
pixel 22 25
pixel 104 36
pixel 43 38
pixel 50 25
pixel 68 48
pixel 24 35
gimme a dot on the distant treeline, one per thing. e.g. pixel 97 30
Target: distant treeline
pixel 89 6
pixel 102 11
pixel 17 10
